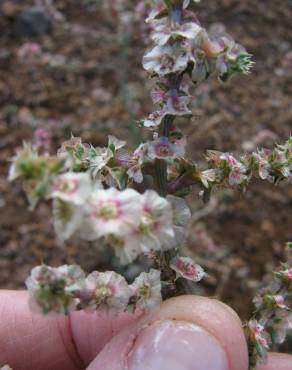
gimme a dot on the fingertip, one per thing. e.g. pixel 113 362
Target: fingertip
pixel 218 319
pixel 191 327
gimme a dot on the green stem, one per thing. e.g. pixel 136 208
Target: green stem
pixel 161 176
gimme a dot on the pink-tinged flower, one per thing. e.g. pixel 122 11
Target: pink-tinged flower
pixel 154 119
pixel 157 95
pixel 29 52
pixel 231 161
pixel 113 212
pixel 166 59
pixel 236 176
pixel 42 138
pixel 176 105
pixel 134 172
pixel 181 217
pixel 202 47
pixel 166 29
pixel 6 367
pixel 162 148
pixel 107 291
pixel 146 290
pixel 133 162
pixel 263 166
pixel 259 336
pixel 72 187
pixel 287 274
pixel 155 229
pixel 237 170
pixel 185 267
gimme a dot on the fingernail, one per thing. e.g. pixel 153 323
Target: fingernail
pixel 176 345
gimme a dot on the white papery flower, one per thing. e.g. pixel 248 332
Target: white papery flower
pixel 153 233
pixel 185 267
pixel 162 148
pixel 155 118
pixel 208 176
pixel 133 162
pixel 177 105
pixel 165 29
pixel 114 212
pixel 155 230
pixel 103 155
pixel 72 187
pixel 166 59
pixel 106 291
pixel 68 218
pixel 146 290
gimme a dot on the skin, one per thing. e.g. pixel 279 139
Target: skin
pixel 29 341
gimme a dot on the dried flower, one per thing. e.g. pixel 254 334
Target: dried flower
pixel 54 289
pixel 107 291
pixel 147 290
pixel 162 148
pixel 114 212
pixel 72 187
pixel 185 267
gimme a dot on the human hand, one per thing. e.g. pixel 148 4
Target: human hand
pixel 186 333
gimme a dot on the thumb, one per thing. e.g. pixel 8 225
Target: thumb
pixel 187 333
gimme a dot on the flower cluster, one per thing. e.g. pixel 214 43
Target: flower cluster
pixel 271 165
pixel 66 289
pixel 273 316
pixel 37 172
pixel 182 45
pixel 131 222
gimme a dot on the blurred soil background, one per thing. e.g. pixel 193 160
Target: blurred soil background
pixel 83 74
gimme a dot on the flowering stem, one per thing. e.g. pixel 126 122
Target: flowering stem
pixel 161 176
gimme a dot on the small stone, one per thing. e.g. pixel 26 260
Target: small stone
pixel 32 21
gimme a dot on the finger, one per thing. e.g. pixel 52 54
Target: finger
pixel 92 331
pixel 278 361
pixel 187 333
pixel 31 341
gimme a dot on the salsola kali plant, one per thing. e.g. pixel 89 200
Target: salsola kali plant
pixel 135 201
